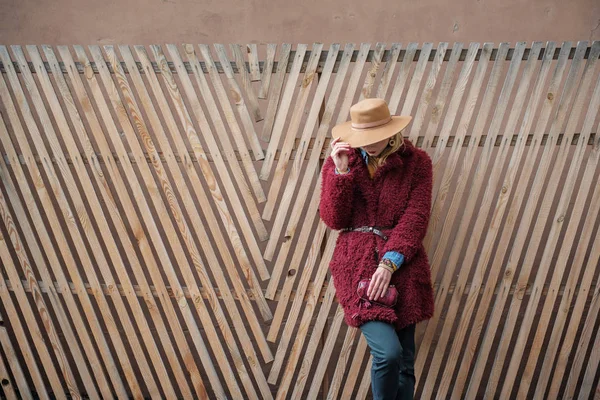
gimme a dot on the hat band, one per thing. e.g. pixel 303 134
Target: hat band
pixel 373 124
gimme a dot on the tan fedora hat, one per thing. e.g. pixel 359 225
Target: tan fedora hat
pixel 370 123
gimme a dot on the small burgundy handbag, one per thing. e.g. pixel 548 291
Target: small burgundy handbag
pixel 388 300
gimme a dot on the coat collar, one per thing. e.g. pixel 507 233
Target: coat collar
pixel 394 161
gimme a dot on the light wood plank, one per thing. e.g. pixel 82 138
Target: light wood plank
pixel 275 95
pixel 240 104
pixel 14 363
pixel 282 110
pixel 230 154
pixel 372 72
pixel 398 90
pixel 267 73
pixel 246 79
pixel 253 62
pixel 388 71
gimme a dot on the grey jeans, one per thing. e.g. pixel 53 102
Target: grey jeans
pixel 392 373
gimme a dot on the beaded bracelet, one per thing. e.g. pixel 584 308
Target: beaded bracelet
pixel 342 173
pixel 389 263
pixel 382 265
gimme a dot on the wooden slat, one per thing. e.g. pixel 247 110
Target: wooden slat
pixel 225 216
pixel 76 235
pixel 7 385
pixel 286 151
pixel 551 243
pixel 468 267
pixel 189 206
pixel 224 137
pixel 142 241
pixel 502 195
pixel 425 333
pixel 340 368
pixel 111 244
pixel 302 332
pixel 240 104
pixel 517 190
pixel 524 225
pixel 128 128
pixel 246 79
pixel 14 364
pixel 398 89
pixel 147 216
pixel 275 93
pixel 267 72
pixel 419 117
pixel 372 72
pixel 309 171
pixel 27 311
pixel 388 71
pixel 253 62
pixel 234 127
pixel 22 338
pixel 355 367
pixel 281 110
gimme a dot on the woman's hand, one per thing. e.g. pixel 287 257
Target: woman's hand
pixel 380 282
pixel 339 153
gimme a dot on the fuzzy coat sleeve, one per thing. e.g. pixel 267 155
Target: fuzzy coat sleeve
pixel 337 191
pixel 407 236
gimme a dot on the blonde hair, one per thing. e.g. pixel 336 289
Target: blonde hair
pixel 376 162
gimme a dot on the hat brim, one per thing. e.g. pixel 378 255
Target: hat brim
pixel 364 137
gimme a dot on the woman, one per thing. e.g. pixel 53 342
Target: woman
pixel 376 189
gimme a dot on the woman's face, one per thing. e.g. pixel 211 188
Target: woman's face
pixel 375 149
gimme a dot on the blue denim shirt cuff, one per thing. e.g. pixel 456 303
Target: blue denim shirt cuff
pixel 395 257
pixel 336 171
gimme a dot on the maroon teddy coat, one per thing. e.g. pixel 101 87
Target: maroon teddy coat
pixel 398 196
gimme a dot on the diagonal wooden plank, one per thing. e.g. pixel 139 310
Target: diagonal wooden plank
pixel 415 81
pixel 22 340
pixel 234 127
pixel 398 90
pixel 524 225
pixel 13 361
pixel 294 124
pixel 309 170
pixel 190 208
pixel 388 71
pixel 266 74
pixel 551 243
pixel 282 110
pixel 224 137
pixel 275 93
pixel 414 129
pixel 222 207
pixel 98 175
pixel 54 264
pixel 518 188
pixel 222 169
pixel 90 197
pixel 76 235
pixel 492 195
pixel 450 265
pixel 372 73
pixel 166 265
pixel 440 194
pixel 253 62
pixel 240 104
pixel 309 309
pixel 424 332
pixel 362 349
pixel 121 110
pixel 365 384
pixel 7 388
pixel 340 368
pixel 246 79
pixel 315 338
pixel 576 310
pixel 28 315
pixel 325 356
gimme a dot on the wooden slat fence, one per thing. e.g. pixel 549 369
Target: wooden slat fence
pixel 160 235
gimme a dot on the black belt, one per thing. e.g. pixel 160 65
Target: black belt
pixel 368 229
